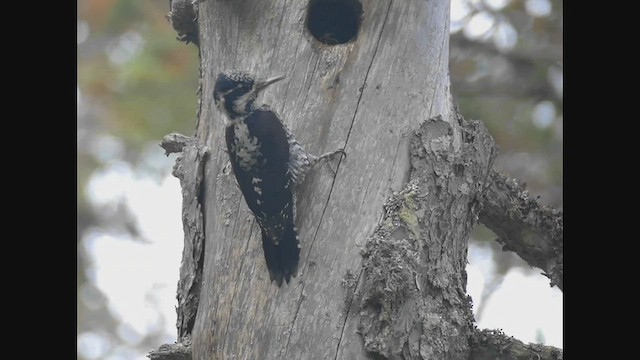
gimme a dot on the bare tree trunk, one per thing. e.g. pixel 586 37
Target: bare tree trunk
pixel 384 239
pixel 366 96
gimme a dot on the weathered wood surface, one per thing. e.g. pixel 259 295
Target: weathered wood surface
pixel 367 96
pixel 189 168
pixel 178 351
pixel 183 17
pixel 524 226
pixel 494 344
pixel 412 302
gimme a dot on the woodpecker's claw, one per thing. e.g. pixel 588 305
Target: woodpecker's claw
pixel 332 154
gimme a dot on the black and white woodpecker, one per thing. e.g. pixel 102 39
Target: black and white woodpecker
pixel 268 163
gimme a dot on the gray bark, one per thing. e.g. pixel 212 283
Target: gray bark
pixel 493 344
pixel 183 17
pixel 178 351
pixel 513 74
pixel 413 302
pixel 367 96
pixel 384 238
pixel 531 230
pixel 189 169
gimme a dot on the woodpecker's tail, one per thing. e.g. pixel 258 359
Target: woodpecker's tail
pixel 282 259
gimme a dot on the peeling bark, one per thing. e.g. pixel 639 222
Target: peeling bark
pixel 183 17
pixel 413 302
pixel 189 169
pixel 178 351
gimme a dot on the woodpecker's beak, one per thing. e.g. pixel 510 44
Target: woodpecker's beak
pixel 261 85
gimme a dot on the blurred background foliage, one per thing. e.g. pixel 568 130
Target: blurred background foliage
pixel 136 83
pixel 506 70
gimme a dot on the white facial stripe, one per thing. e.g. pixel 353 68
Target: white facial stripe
pixel 221 104
pixel 222 101
pixel 241 103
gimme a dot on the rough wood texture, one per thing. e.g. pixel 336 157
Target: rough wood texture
pixel 177 351
pixel 412 299
pixel 367 96
pixel 491 345
pixel 531 230
pixel 183 17
pixel 174 143
pixel 189 168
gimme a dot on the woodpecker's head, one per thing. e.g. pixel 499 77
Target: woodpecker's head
pixel 235 91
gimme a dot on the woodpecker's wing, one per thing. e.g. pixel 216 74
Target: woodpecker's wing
pixel 259 154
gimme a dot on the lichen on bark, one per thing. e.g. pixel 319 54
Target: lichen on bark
pixel 413 302
pixel 525 226
pixel 183 17
pixel 391 258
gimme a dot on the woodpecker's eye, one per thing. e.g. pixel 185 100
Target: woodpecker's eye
pixel 245 86
pixel 224 86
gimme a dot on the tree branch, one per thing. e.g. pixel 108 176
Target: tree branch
pixel 531 230
pixel 177 351
pixel 183 17
pixel 494 344
pixel 174 143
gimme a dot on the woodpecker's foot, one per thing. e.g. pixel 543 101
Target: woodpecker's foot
pixel 194 3
pixel 226 169
pixel 330 155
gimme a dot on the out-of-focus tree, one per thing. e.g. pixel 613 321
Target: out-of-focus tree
pixel 506 69
pixel 135 84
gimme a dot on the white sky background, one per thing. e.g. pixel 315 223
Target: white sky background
pixel 140 278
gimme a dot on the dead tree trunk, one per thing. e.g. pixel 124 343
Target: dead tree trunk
pixel 384 239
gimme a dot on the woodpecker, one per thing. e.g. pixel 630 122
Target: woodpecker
pixel 268 163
